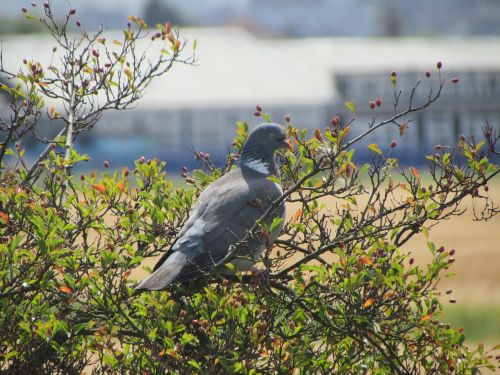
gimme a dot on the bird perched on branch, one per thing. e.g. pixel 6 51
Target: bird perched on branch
pixel 217 228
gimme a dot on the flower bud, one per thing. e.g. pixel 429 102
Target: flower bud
pixel 105 164
pixel 394 143
pixel 258 108
pixel 378 102
pixel 257 113
pixel 428 74
pixel 439 65
pixel 455 80
pixel 335 121
pixel 72 11
pixel 372 105
pixel 288 118
pixel 78 23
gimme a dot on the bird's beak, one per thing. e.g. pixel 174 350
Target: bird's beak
pixel 287 144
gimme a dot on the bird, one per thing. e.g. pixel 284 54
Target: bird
pixel 224 213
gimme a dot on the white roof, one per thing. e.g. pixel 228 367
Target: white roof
pixel 235 68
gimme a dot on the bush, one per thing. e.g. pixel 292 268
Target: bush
pixel 337 295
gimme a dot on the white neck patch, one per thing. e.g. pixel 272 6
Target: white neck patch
pixel 257 165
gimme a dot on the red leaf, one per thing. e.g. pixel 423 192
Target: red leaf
pixel 369 302
pixel 414 172
pixel 297 215
pixel 65 289
pixel 364 261
pixel 426 317
pixel 99 187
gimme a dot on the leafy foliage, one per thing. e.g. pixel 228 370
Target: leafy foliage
pixel 337 295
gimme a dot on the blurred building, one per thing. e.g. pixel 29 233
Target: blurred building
pixel 195 107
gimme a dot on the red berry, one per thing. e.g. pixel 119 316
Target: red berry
pixel 378 102
pixel 335 121
pixel 372 105
pixel 394 143
pixel 428 74
pixel 439 65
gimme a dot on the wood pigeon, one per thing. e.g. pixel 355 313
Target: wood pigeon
pixel 224 213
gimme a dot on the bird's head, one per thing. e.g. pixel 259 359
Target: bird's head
pixel 262 142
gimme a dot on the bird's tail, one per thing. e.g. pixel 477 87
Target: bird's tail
pixel 166 274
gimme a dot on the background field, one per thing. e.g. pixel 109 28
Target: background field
pixel 476 284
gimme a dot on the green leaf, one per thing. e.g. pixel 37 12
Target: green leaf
pixel 194 364
pixel 364 168
pixel 374 148
pixel 351 105
pixel 275 224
